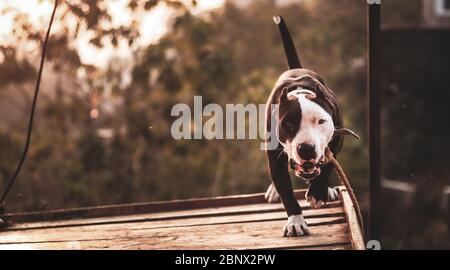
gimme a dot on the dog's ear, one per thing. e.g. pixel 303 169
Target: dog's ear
pixel 345 131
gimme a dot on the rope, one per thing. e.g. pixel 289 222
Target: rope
pixel 330 159
pixel 30 123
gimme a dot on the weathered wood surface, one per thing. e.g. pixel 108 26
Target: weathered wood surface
pixel 356 235
pixel 136 208
pixel 249 223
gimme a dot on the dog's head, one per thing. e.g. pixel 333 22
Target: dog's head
pixel 304 130
pixel 305 125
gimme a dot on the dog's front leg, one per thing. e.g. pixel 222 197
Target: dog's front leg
pixel 278 166
pixel 319 191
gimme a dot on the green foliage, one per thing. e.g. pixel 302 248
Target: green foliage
pixel 229 55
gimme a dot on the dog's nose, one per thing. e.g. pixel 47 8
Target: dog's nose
pixel 308 165
pixel 306 151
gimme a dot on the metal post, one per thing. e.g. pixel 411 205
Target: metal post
pixel 374 119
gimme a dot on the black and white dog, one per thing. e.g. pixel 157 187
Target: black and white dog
pixel 309 119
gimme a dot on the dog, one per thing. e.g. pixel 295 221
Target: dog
pixel 308 119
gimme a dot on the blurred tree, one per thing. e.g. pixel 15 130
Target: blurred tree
pixel 229 55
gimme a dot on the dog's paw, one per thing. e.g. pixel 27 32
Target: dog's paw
pixel 296 226
pixel 317 202
pixel 333 194
pixel 272 195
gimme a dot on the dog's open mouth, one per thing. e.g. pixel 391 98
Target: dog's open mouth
pixel 308 170
pixel 308 175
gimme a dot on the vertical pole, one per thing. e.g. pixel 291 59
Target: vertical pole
pixel 374 121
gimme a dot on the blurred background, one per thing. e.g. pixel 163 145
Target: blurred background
pixel 115 68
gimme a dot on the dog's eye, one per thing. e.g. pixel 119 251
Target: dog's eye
pixel 322 121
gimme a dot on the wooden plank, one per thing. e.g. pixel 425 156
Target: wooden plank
pixel 312 220
pixel 347 246
pixel 110 230
pixel 341 241
pixel 335 209
pixel 356 236
pixel 135 208
pixel 260 235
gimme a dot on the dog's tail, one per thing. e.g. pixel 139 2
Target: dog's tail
pixel 288 44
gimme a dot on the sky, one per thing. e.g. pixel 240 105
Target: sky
pixel 153 25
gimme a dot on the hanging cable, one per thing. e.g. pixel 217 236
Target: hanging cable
pixel 30 123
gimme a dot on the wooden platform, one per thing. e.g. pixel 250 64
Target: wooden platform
pixel 232 222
